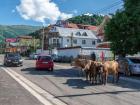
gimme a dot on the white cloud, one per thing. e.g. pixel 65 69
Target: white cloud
pixel 65 16
pixel 40 10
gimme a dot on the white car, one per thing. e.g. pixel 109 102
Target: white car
pixel 33 56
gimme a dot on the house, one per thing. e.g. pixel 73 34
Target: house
pixel 66 24
pixel 59 37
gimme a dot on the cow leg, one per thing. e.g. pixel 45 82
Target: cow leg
pixel 86 72
pixel 96 78
pixel 99 78
pixel 90 76
pixel 117 77
pixel 114 76
pixel 102 78
pixel 105 78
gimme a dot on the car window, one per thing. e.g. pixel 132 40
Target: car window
pixel 13 55
pixel 47 58
pixel 135 60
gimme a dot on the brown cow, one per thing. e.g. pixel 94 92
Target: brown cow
pixel 96 72
pixel 80 63
pixel 110 67
pixel 124 67
pixel 89 69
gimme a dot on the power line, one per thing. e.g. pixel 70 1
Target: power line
pixel 109 7
pixel 113 8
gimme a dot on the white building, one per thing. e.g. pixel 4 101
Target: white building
pixel 60 37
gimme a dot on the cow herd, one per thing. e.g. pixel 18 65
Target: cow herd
pixel 97 72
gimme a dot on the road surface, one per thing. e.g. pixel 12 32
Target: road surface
pixel 61 87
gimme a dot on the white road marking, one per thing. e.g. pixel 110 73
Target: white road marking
pixel 43 96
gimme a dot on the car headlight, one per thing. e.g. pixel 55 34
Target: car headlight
pixel 9 60
pixel 21 60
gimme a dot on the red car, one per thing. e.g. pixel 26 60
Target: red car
pixel 44 62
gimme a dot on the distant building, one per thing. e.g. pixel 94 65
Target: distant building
pixel 66 24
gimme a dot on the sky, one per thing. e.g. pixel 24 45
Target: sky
pixel 38 12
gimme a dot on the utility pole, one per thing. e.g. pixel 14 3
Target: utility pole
pixel 43 39
pixel 34 43
pixel 71 37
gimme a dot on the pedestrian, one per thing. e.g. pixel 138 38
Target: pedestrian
pixel 93 56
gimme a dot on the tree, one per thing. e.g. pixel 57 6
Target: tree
pixel 123 30
pixel 87 20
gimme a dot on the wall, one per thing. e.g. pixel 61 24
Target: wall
pixel 85 51
pixel 69 52
pixel 106 52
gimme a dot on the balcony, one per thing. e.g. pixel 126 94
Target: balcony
pixel 55 45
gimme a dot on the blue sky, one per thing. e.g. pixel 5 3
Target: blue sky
pixel 9 15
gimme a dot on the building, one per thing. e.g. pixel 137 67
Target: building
pixel 66 24
pixel 59 37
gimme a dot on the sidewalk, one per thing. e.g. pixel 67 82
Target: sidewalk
pixel 11 93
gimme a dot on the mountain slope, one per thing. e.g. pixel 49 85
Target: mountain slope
pixel 16 30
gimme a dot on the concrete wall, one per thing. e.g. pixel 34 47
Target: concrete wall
pixel 69 52
pixel 84 51
pixel 106 52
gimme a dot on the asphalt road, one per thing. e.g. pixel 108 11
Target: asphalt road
pixel 66 85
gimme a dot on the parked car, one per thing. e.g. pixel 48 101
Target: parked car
pixel 33 56
pixel 11 59
pixel 133 65
pixel 54 57
pixel 44 62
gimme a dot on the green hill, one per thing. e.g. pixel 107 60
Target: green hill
pixel 12 31
pixel 91 19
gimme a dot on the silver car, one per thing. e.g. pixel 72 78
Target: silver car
pixel 134 65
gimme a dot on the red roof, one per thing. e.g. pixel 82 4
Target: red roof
pixel 94 28
pixel 104 45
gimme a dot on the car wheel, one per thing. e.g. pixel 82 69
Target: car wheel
pixel 4 64
pixel 36 69
pixel 51 69
pixel 130 73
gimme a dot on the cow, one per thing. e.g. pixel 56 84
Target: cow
pixel 124 67
pixel 96 72
pixel 81 63
pixel 110 67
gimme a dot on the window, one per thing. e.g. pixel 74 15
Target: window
pixel 93 42
pixel 83 41
pixel 75 41
pixel 54 40
pixel 57 40
pixel 84 34
pixel 134 60
pixel 68 40
pixel 46 58
pixel 98 40
pixel 78 34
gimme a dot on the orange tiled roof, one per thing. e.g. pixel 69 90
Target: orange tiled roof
pixel 72 25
